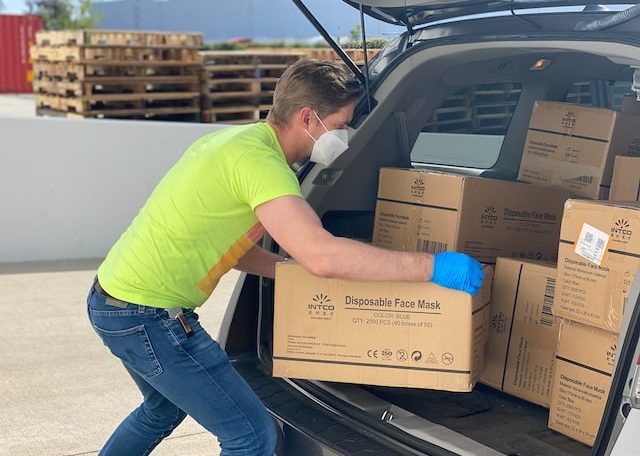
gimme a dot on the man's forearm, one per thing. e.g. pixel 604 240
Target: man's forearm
pixel 349 259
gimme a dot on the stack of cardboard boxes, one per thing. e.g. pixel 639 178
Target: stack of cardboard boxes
pixel 576 148
pixel 563 269
pixel 597 262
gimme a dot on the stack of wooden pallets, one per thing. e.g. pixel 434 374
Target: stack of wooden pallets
pixel 480 109
pixel 493 106
pixel 117 74
pixel 237 86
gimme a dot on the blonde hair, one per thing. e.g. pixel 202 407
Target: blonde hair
pixel 322 85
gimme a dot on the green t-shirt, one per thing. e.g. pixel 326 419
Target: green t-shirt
pixel 200 220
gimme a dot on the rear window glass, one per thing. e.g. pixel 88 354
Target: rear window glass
pixel 469 127
pixel 601 93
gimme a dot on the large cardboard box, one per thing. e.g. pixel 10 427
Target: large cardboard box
pixel 598 258
pixel 625 185
pixel 573 146
pixel 420 210
pixel 378 333
pixel 523 333
pixel 582 379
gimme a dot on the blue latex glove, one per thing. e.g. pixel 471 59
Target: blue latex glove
pixel 458 271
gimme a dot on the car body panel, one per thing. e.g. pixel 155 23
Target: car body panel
pixel 412 13
pixel 385 137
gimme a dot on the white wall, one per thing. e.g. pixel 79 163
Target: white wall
pixel 69 188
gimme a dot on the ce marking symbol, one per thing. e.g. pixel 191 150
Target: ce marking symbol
pixel 372 354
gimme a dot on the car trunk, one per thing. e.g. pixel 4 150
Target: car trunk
pixel 490 417
pixel 484 421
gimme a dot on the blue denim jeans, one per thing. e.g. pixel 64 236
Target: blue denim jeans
pixel 178 375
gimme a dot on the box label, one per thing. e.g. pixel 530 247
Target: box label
pixel 413 228
pixel 592 244
pixel 582 379
pixel 580 399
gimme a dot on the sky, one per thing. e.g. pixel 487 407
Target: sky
pixel 14 6
pixel 251 18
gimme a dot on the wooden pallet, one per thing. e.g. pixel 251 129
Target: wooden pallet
pixel 118 37
pixel 116 53
pixel 118 103
pixel 231 114
pixel 80 70
pixel 446 118
pixel 165 114
pixel 496 93
pixel 245 64
pixel 249 57
pixel 237 85
pixel 356 55
pixel 231 100
pixel 457 100
pixel 124 85
pixel 492 124
pixel 221 85
pixel 494 108
pixel 271 70
pixel 264 110
pixel 227 58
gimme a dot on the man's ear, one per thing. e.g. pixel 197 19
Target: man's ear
pixel 304 116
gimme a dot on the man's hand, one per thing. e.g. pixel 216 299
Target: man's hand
pixel 458 271
pixel 259 262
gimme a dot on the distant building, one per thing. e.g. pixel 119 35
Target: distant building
pixel 221 20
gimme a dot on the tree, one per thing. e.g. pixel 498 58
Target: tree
pixel 64 14
pixel 356 34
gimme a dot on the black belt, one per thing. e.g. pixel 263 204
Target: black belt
pixel 175 313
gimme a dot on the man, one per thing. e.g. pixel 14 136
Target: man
pixel 205 218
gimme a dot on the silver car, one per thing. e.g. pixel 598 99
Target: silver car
pixel 455 92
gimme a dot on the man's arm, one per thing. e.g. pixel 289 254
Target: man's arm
pixel 259 262
pixel 297 228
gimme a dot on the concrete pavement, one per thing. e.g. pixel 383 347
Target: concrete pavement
pixel 61 391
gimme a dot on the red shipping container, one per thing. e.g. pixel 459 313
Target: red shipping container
pixel 17 34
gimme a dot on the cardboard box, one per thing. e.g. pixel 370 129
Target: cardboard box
pixel 598 258
pixel 573 146
pixel 625 185
pixel 420 210
pixel 378 333
pixel 523 333
pixel 582 379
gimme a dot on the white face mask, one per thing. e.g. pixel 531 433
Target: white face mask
pixel 329 146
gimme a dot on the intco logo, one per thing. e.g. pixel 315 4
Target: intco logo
pixel 621 230
pixel 634 148
pixel 569 120
pixel 321 307
pixel 488 217
pixel 417 189
pixel 611 354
